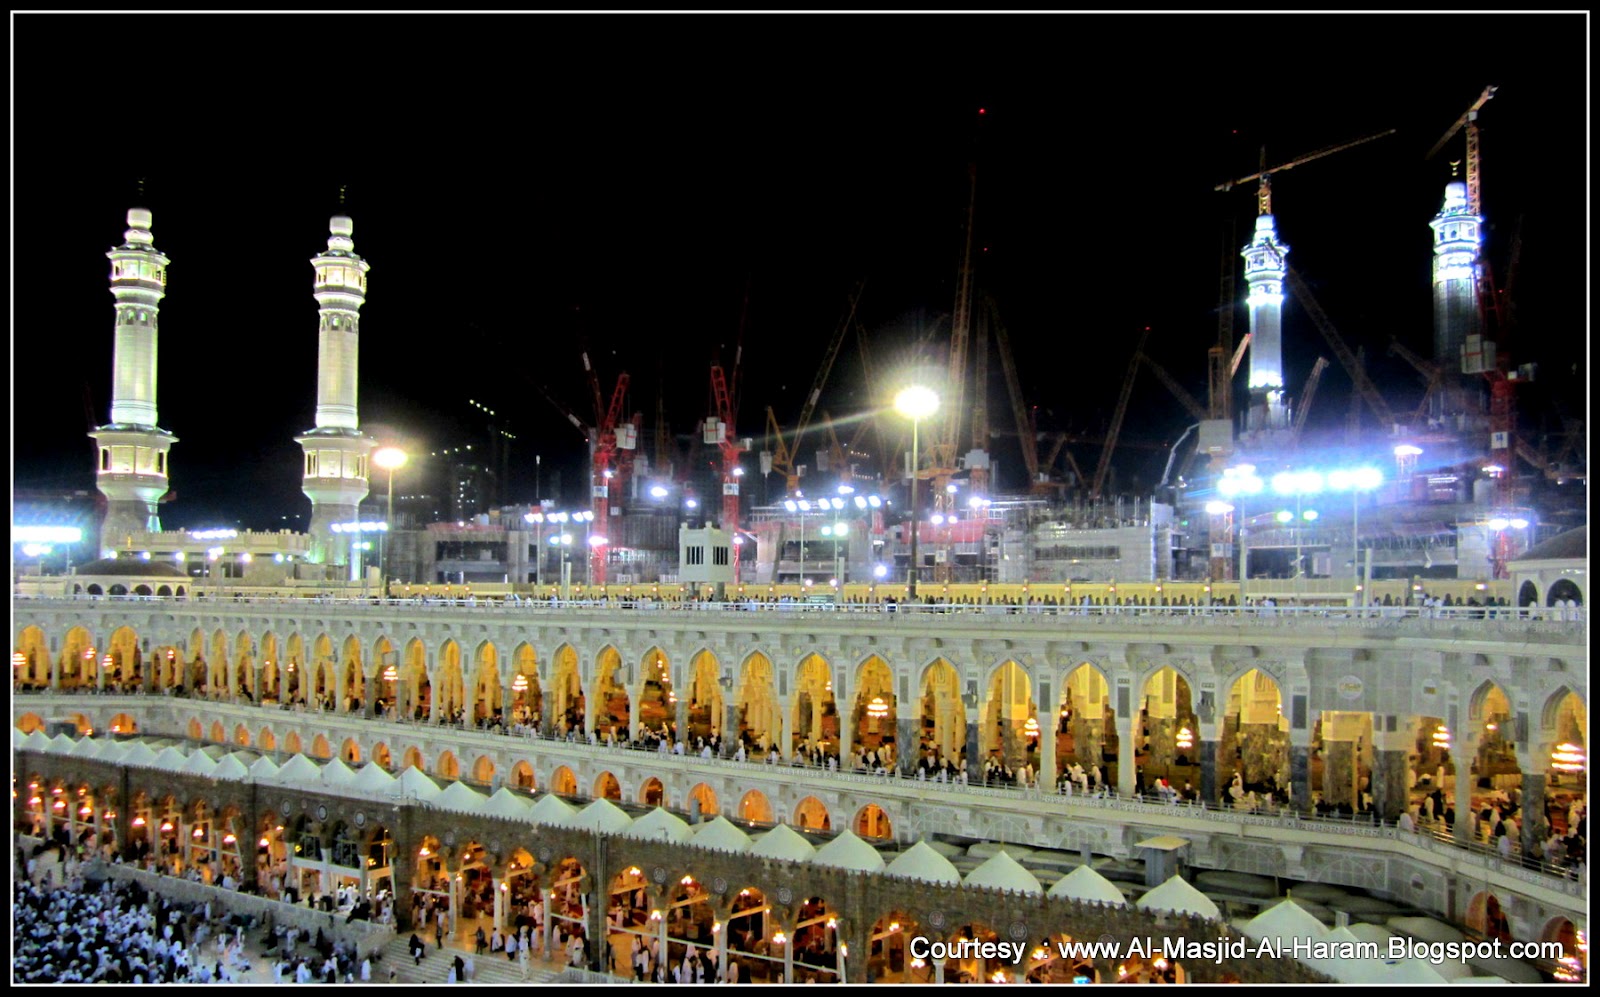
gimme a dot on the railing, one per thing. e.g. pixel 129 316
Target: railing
pixel 1564 879
pixel 1564 619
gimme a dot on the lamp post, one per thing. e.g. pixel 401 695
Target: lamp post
pixel 1236 483
pixel 915 403
pixel 1357 480
pixel 390 459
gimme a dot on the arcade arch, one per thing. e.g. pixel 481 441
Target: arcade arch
pixel 760 715
pixel 1010 730
pixel 814 714
pixel 873 717
pixel 812 815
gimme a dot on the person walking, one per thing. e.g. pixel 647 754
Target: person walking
pixel 522 962
pixel 511 948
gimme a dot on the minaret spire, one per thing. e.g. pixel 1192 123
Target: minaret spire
pixel 335 475
pixel 132 470
pixel 1264 271
pixel 1457 238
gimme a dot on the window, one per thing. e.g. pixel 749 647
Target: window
pixel 161 462
pixel 105 458
pixel 719 556
pixel 694 555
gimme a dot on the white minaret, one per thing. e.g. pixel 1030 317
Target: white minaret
pixel 335 477
pixel 132 472
pixel 1457 238
pixel 1264 270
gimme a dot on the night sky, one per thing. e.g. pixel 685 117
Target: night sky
pixel 521 185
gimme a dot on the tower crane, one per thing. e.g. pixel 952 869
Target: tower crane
pixel 1432 374
pixel 1265 173
pixel 720 431
pixel 782 456
pixel 1307 394
pixel 1369 391
pixel 942 452
pixel 1115 430
pixel 1194 408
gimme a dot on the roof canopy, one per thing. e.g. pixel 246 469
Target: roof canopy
pixel 1083 883
pixel 921 862
pixel 784 842
pixel 660 823
pixel 723 835
pixel 849 852
pixel 1002 872
pixel 1177 895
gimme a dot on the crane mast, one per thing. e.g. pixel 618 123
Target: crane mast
pixel 942 453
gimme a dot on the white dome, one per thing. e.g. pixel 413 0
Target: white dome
pixel 723 835
pixel 921 862
pixel 505 803
pixel 849 852
pixel 1002 872
pixel 784 842
pixel 660 823
pixel 1177 895
pixel 604 816
pixel 552 811
pixel 1083 883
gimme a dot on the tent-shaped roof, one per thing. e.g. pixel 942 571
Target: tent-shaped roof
pixel 921 862
pixel 602 815
pixel 200 763
pixel 1177 895
pixel 373 779
pixel 263 769
pixel 109 749
pixel 1002 872
pixel 660 823
pixel 849 852
pixel 85 748
pixel 722 834
pixel 1284 920
pixel 61 744
pixel 413 781
pixel 171 759
pixel 552 811
pixel 1344 970
pixel 1572 545
pixel 784 842
pixel 230 768
pixel 139 754
pixel 1083 883
pixel 460 796
pixel 299 769
pixel 505 803
pixel 38 741
pixel 337 773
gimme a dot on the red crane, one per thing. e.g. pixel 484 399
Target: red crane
pixel 719 431
pixel 613 439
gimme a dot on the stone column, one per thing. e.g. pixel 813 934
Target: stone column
pixel 907 744
pixel 1300 769
pixel 1338 764
pixel 786 733
pixel 501 895
pixel 507 703
pixel 1390 797
pixel 433 701
pixel 55 672
pixel 1127 739
pixel 257 671
pixel 547 712
pixel 845 706
pixel 1535 826
pixel 1210 748
pixel 100 674
pixel 682 720
pixel 147 669
pixel 722 952
pixel 974 763
pixel 730 729
pixel 1462 751
pixel 1047 751
pixel 635 701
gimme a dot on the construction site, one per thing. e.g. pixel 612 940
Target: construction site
pixel 1431 487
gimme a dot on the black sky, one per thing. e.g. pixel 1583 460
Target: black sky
pixel 521 183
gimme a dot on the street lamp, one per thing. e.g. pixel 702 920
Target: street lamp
pixel 564 541
pixel 1238 482
pixel 390 459
pixel 915 403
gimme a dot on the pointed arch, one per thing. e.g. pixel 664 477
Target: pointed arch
pixel 566 686
pixel 755 806
pixel 657 701
pixel 450 680
pixel 652 793
pixel 812 814
pixel 606 787
pixel 321 749
pixel 563 782
pixel 1005 737
pixel 813 710
pixel 350 752
pixel 527 702
pixel 608 701
pixel 126 661
pixel 706 798
pixel 706 713
pixel 486 692
pixel 522 776
pixel 292 743
pixel 33 672
pixel 760 715
pixel 874 715
pixel 352 686
pixel 447 767
pixel 483 770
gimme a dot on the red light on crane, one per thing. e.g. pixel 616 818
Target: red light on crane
pixel 982 111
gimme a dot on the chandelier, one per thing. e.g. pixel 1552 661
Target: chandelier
pixel 1441 737
pixel 1185 738
pixel 1031 728
pixel 1567 757
pixel 877 709
pixel 520 683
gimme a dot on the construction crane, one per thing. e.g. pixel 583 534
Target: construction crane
pixel 1369 391
pixel 1432 374
pixel 942 452
pixel 1265 173
pixel 782 457
pixel 1027 429
pixel 1104 467
pixel 720 431
pixel 1194 408
pixel 1302 408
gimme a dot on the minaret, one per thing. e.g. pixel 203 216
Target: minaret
pixel 1457 237
pixel 132 472
pixel 335 477
pixel 1264 270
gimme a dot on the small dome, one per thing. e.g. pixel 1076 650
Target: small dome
pixel 129 567
pixel 1266 224
pixel 341 225
pixel 1455 194
pixel 140 218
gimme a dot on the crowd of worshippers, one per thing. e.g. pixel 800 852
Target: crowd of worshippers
pixel 106 932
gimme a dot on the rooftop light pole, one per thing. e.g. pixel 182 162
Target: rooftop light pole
pixel 915 403
pixel 390 459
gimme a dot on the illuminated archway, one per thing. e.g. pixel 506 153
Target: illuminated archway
pixel 1488 918
pixel 416 696
pixel 324 673
pixel 527 702
pixel 1166 710
pixel 124 723
pixel 658 704
pixel 652 793
pixel 266 740
pixel 1086 726
pixel 483 770
pixel 78 665
pixel 563 782
pixel 195 731
pixel 1492 730
pixel 126 670
pixel 606 787
pixel 943 718
pixel 352 697
pixel 487 696
pixel 566 688
pixel 522 776
pixel 705 713
pixel 760 716
pixel 1006 739
pixel 452 687
pixel 609 702
pixel 241 736
pixel 873 717
pixel 350 752
pixel 889 958
pixel 812 815
pixel 1255 742
pixel 291 743
pixel 30 722
pixel 872 822
pixel 218 734
pixel 32 669
pixel 447 767
pixel 244 669
pixel 814 714
pixel 756 807
pixel 706 799
pixel 320 748
pixel 381 756
pixel 412 759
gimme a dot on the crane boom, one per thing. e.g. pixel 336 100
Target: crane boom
pixel 1264 194
pixel 1369 391
pixel 1115 430
pixel 1026 431
pixel 1238 355
pixel 943 450
pixel 1185 399
pixel 821 377
pixel 1307 394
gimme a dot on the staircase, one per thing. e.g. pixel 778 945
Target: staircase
pixel 491 967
